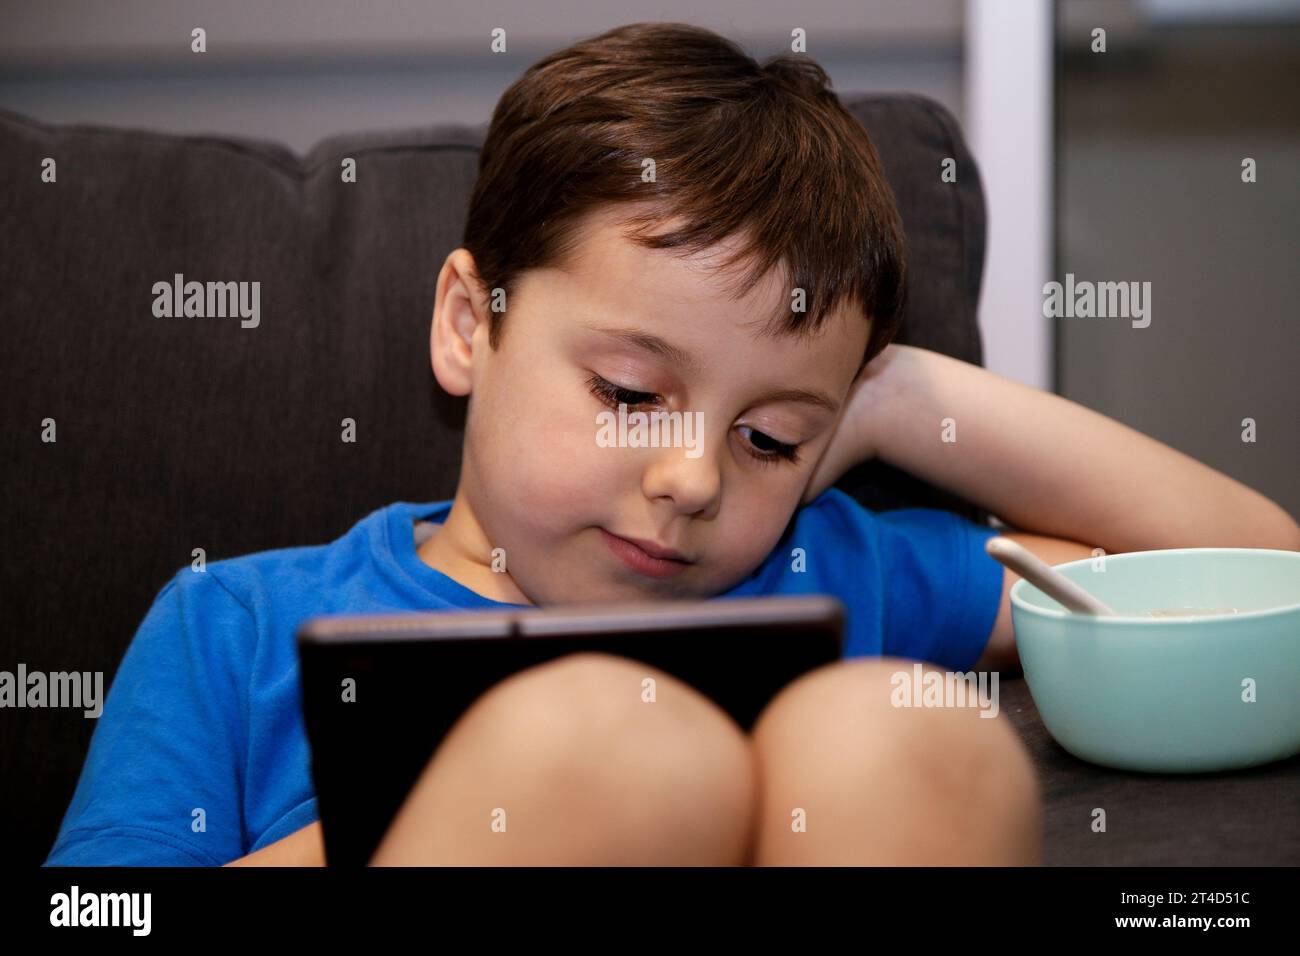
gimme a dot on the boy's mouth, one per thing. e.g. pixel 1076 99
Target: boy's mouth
pixel 645 556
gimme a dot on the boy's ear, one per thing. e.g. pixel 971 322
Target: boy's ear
pixel 459 310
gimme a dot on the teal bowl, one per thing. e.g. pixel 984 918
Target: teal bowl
pixel 1169 694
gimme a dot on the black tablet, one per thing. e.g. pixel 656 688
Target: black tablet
pixel 380 692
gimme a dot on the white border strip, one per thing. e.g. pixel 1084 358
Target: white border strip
pixel 1008 68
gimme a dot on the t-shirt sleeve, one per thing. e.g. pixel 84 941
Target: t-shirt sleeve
pixel 162 782
pixel 942 590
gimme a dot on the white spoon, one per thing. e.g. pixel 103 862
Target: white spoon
pixel 1043 576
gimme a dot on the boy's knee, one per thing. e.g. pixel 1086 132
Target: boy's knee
pixel 859 710
pixel 914 784
pixel 606 697
pixel 623 734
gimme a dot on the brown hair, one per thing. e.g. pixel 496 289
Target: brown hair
pixel 765 151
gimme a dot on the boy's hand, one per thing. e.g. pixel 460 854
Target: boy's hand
pixel 854 438
pixel 1001 653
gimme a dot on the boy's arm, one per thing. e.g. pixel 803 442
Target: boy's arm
pixel 1050 467
pixel 1067 478
pixel 304 847
pixel 169 747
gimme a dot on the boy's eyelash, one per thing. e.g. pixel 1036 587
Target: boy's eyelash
pixel 612 395
pixel 782 452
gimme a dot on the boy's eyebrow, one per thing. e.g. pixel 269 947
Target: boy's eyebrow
pixel 638 338
pixel 808 397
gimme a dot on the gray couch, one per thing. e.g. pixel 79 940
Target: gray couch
pixel 199 433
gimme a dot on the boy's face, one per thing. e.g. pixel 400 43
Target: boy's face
pixel 540 477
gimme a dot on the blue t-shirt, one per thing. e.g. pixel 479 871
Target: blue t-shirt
pixel 203 720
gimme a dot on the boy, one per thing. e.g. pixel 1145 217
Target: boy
pixel 650 204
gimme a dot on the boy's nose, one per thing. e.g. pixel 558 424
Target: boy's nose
pixel 693 484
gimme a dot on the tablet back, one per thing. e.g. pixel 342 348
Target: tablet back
pixel 381 692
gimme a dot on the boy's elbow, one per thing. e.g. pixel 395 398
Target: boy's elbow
pixel 1000 654
pixel 1277 530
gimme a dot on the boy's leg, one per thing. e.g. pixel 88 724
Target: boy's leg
pixel 585 772
pixel 885 785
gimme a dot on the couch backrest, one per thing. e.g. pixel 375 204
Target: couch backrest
pixel 175 434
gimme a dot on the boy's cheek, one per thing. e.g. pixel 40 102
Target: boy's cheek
pixel 556 486
pixel 745 539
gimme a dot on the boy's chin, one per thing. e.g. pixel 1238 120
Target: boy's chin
pixel 616 592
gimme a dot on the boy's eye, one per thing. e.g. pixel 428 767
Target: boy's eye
pixel 614 395
pixel 764 448
pixel 767 449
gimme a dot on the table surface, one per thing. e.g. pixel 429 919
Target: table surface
pixel 1237 818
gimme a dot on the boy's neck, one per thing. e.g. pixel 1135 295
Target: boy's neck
pixel 459 549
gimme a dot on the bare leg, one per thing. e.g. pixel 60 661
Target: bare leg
pixel 885 785
pixel 582 771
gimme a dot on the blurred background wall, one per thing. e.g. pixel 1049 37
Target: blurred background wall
pixel 1150 140
pixel 1122 166
pixel 298 71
